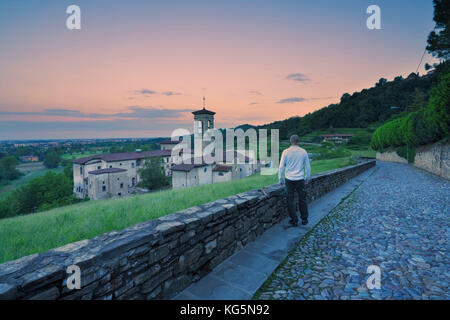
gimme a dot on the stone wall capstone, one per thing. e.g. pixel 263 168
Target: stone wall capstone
pixel 159 258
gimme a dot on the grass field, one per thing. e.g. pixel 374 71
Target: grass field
pixel 30 171
pixel 28 234
pixel 75 156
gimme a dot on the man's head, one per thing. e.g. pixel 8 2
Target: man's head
pixel 294 140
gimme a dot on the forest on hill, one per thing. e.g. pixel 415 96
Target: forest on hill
pixel 385 100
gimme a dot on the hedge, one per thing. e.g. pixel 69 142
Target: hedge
pixel 426 125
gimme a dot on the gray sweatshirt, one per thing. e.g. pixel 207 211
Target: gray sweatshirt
pixel 295 163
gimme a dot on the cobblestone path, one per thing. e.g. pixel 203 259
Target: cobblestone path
pixel 398 219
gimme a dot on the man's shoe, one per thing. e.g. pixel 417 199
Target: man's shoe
pixel 305 222
pixel 293 223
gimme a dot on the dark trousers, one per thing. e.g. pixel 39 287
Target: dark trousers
pixel 298 187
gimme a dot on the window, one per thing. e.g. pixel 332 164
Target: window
pixel 132 164
pixel 104 188
pixel 120 164
pixel 119 194
pixel 81 170
pixel 103 182
pixel 99 167
pixel 110 167
pixel 121 186
pixel 220 173
pixel 206 169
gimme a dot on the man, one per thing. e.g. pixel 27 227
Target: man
pixel 295 163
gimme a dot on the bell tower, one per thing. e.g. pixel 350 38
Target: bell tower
pixel 203 120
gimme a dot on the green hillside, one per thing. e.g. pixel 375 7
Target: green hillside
pixel 365 109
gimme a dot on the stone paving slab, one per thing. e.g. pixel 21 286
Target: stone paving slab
pixel 241 275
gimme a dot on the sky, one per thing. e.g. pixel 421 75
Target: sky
pixel 139 68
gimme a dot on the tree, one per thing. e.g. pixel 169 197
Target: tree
pixel 8 169
pixel 152 175
pixel 43 193
pixel 52 160
pixel 68 171
pixel 419 100
pixel 439 38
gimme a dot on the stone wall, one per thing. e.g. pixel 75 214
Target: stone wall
pixel 391 156
pixel 158 258
pixel 433 158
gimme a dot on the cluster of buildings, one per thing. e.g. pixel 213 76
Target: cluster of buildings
pixel 29 158
pixel 337 137
pixel 117 174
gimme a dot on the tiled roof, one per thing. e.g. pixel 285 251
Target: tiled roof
pixel 108 170
pixel 222 168
pixel 188 165
pixel 123 156
pixel 203 111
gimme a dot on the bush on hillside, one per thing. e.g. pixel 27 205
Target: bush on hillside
pixel 423 126
pixel 43 193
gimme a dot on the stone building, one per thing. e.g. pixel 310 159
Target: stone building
pixel 338 137
pixel 88 172
pixel 107 183
pixel 116 174
pixel 167 144
pixel 196 173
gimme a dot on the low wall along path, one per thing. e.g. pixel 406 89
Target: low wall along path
pixel 159 258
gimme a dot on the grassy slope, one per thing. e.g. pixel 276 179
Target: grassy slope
pixel 74 156
pixel 24 235
pixel 7 189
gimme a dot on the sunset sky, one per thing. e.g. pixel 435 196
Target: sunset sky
pixel 138 68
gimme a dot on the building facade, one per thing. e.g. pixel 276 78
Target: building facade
pixel 88 171
pixel 337 138
pixel 196 173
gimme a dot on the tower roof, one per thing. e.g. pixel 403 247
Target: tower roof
pixel 203 111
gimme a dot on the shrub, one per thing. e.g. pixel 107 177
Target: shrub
pixel 49 191
pixel 401 151
pixel 420 127
pixel 152 175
